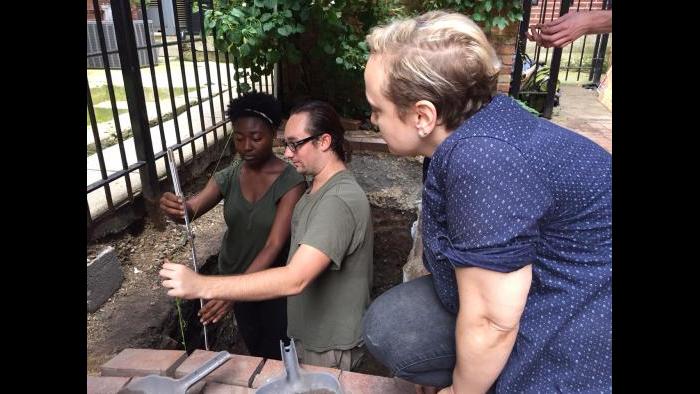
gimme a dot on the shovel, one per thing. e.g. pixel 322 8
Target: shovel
pixel 155 384
pixel 295 381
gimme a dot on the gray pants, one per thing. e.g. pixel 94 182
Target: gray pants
pixel 408 330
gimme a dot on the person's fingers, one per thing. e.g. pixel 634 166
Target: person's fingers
pixel 534 36
pixel 561 43
pixel 207 316
pixel 221 313
pixel 556 40
pixel 207 308
pixel 172 205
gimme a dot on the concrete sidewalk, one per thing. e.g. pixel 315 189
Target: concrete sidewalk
pixel 580 111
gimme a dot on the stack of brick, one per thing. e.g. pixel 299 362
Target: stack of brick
pixel 504 41
pixel 239 375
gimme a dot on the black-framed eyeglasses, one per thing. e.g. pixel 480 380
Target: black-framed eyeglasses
pixel 294 145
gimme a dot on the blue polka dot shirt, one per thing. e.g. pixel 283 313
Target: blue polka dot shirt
pixel 507 189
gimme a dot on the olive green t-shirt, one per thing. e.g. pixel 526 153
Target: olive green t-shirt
pixel 249 224
pixel 336 220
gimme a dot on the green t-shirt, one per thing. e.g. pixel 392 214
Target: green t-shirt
pixel 249 224
pixel 336 220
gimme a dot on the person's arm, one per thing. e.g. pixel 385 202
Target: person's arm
pixel 490 306
pixel 279 234
pixel 197 206
pixel 306 264
pixel 567 28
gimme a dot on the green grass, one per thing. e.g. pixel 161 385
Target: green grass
pixel 101 93
pixel 104 114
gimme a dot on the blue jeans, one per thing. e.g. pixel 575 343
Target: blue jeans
pixel 408 330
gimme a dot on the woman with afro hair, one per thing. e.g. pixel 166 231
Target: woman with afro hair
pixel 259 195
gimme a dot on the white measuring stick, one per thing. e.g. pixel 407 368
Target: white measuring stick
pixel 190 235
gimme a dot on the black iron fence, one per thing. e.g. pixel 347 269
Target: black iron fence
pixel 164 91
pixel 538 71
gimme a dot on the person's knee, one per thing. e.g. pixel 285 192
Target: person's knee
pixel 375 329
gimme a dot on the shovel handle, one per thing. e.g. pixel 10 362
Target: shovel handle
pixel 206 368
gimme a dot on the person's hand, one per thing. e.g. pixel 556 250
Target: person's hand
pixel 182 281
pixel 214 310
pixel 172 205
pixel 562 31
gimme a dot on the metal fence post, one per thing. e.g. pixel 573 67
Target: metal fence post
pixel 517 73
pixel 133 88
pixel 554 71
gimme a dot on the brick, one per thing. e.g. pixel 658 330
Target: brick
pixel 142 362
pixel 275 368
pixel 504 78
pixel 104 277
pixel 105 384
pixel 236 371
pixel 218 388
pixel 506 50
pixel 357 383
pixel 507 60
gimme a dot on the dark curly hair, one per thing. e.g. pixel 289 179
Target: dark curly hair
pixel 258 105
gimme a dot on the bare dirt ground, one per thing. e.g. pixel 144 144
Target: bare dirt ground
pixel 141 315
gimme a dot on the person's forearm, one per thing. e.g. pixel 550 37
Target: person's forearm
pixel 599 22
pixel 482 351
pixel 263 285
pixel 264 259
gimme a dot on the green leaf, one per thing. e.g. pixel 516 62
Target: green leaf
pixel 268 26
pixel 244 49
pixel 264 18
pixel 339 60
pixel 283 31
pixel 499 5
pixel 478 17
pixel 234 36
pixel 328 49
pixel 488 5
pixel 237 13
pixel 273 57
pixel 245 87
pixel 259 3
pixel 502 23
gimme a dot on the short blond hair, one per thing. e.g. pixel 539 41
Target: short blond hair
pixel 441 57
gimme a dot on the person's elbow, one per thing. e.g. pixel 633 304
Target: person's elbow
pixel 488 332
pixel 296 282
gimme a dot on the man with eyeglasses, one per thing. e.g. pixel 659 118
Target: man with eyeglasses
pixel 328 275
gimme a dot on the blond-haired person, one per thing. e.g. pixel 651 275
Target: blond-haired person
pixel 516 225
